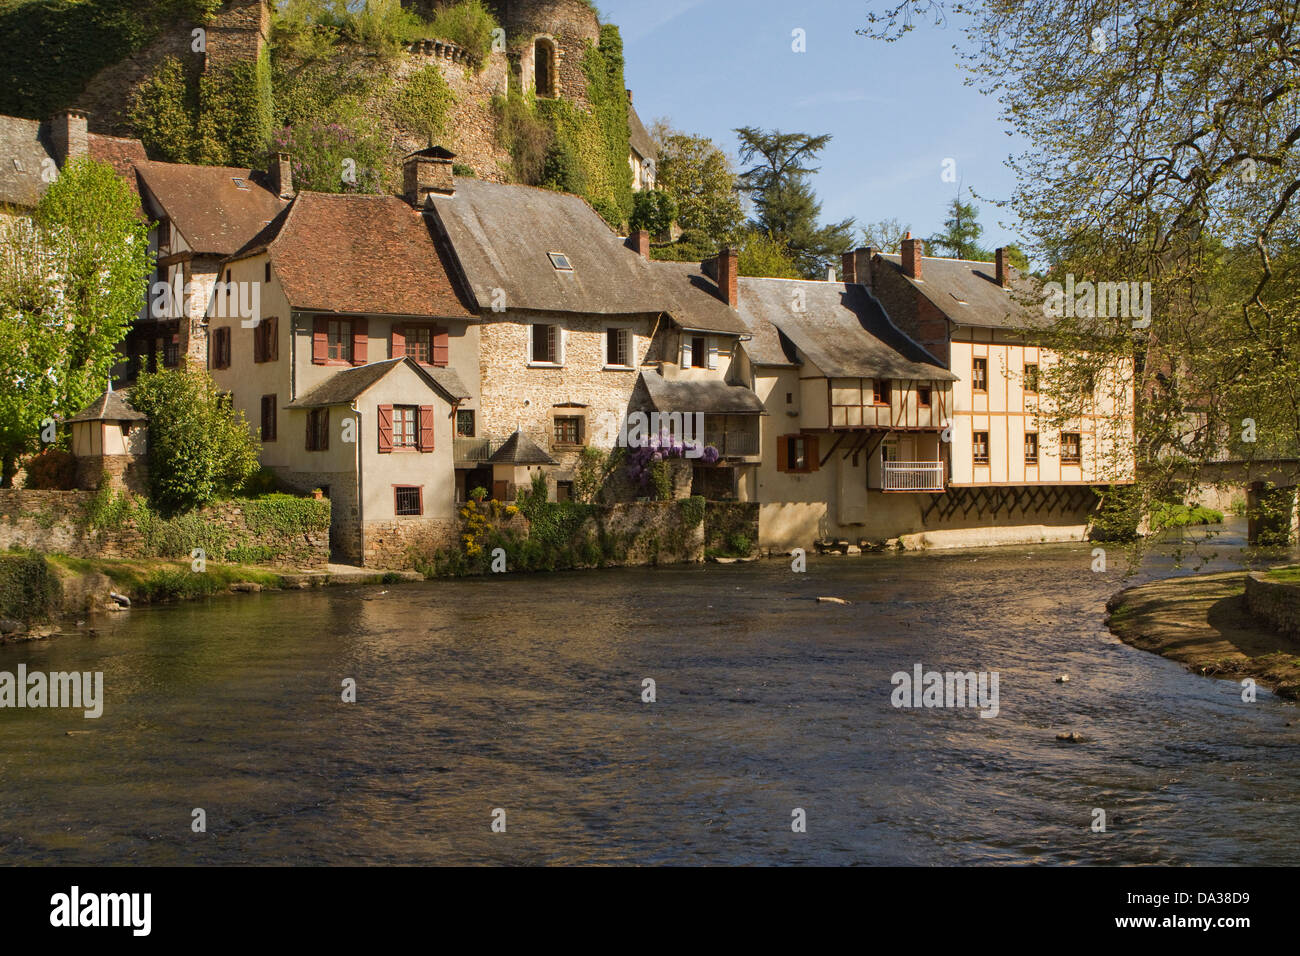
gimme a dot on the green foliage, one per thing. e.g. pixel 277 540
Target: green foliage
pixel 108 509
pixel 165 109
pixel 200 446
pixel 652 210
pixel 286 516
pixel 690 247
pixel 886 235
pixel 762 255
pixel 468 23
pixel 29 590
pixel 423 104
pixel 176 585
pixel 461 169
pixel 523 134
pixel 70 286
pixel 692 510
pixel 699 177
pixel 961 234
pixel 1178 515
pixel 661 477
pixel 590 474
pixel 235 116
pixel 562 169
pixel 333 158
pixel 176 536
pixel 1117 515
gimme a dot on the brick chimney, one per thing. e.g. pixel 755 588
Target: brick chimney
pixel 70 135
pixel 640 241
pixel 281 175
pixel 427 172
pixel 1002 266
pixel 856 265
pixel 728 272
pixel 912 250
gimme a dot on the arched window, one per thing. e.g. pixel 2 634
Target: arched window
pixel 544 67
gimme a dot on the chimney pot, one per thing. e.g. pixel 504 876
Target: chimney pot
pixel 426 172
pixel 1003 274
pixel 913 250
pixel 70 135
pixel 728 270
pixel 640 241
pixel 281 174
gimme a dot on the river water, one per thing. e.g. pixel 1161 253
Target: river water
pixel 525 694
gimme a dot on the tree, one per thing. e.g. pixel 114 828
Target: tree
pixel 652 210
pixel 200 446
pixel 785 205
pixel 72 280
pixel 961 233
pixel 885 235
pixel 700 179
pixel 762 255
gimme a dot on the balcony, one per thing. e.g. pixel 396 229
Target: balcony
pixel 475 450
pixel 913 475
pixel 734 444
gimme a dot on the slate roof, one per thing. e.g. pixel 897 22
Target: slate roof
pixel 638 138
pixel 344 387
pixel 502 233
pixel 519 449
pixel 25 144
pixel 109 407
pixel 710 396
pixel 209 208
pixel 692 299
pixel 843 330
pixel 358 254
pixel 968 293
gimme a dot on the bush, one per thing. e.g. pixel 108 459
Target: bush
pixel 335 157
pixel 286 515
pixel 29 590
pixel 652 210
pixel 467 23
pixel 1177 515
pixel 423 104
pixel 53 470
pixel 176 585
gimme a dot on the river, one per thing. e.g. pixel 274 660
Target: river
pixel 525 694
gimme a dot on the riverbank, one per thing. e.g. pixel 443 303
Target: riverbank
pixel 1202 622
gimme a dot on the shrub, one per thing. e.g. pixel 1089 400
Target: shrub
pixel 653 210
pixel 467 23
pixel 334 157
pixel 29 590
pixel 176 585
pixel 423 103
pixel 53 469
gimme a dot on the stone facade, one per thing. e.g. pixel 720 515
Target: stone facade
pixel 125 473
pixel 568 25
pixel 392 544
pixel 1276 603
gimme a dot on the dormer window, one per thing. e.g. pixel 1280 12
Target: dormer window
pixel 560 261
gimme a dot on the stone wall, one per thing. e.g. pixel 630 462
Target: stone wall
pixel 125 472
pixel 393 544
pixel 1275 603
pixel 56 522
pixel 724 520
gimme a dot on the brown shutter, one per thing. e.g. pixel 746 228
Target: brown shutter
pixel 426 428
pixel 782 452
pixel 360 341
pixel 259 341
pixel 325 430
pixel 439 347
pixel 310 444
pixel 320 340
pixel 814 459
pixel 225 347
pixel 399 342
pixel 273 340
pixel 385 429
pixel 551 344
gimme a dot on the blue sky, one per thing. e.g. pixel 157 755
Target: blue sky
pixel 895 111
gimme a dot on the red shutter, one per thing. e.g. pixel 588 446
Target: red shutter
pixel 385 429
pixel 814 461
pixel 320 340
pixel 273 340
pixel 440 347
pixel 426 428
pixel 399 342
pixel 783 453
pixel 360 340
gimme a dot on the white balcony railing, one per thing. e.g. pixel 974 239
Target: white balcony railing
pixel 913 475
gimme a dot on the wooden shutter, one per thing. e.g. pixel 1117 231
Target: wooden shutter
pixel 273 339
pixel 686 351
pixel 360 341
pixel 439 356
pixel 810 449
pixel 259 342
pixel 385 429
pixel 713 355
pixel 426 428
pixel 783 453
pixel 399 342
pixel 324 429
pixel 320 340
pixel 311 432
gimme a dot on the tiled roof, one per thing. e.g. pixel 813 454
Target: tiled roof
pixel 842 329
pixel 710 396
pixel 519 449
pixel 968 293
pixel 358 254
pixel 109 407
pixel 216 208
pixel 343 387
pixel 119 152
pixel 692 298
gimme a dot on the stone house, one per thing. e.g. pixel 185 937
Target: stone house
pixel 359 370
pixel 111 438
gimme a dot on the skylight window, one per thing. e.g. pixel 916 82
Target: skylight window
pixel 560 261
pixel 239 182
pixel 958 298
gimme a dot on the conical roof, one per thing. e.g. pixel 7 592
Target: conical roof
pixel 519 449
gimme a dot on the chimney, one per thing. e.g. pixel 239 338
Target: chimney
pixel 640 241
pixel 830 272
pixel 1002 270
pixel 426 172
pixel 728 267
pixel 912 250
pixel 856 265
pixel 70 135
pixel 281 176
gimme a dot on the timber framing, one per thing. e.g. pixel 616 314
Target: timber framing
pixel 989 501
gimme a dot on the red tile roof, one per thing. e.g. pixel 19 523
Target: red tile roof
pixel 359 254
pixel 207 204
pixel 120 153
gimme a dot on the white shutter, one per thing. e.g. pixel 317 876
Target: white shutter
pixel 686 351
pixel 713 353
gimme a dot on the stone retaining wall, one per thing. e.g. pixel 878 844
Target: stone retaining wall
pixel 1275 603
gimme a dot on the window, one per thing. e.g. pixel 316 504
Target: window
pixel 171 353
pixel 880 391
pixel 1031 448
pixel 923 396
pixel 1031 379
pixel 338 340
pixel 427 344
pixel 568 430
pixel 617 350
pixel 268 417
pixel 267 273
pixel 545 342
pixel 564 491
pixel 980 448
pixel 266 343
pixel 221 348
pixel 789 398
pixel 465 423
pixel 1071 453
pixel 979 374
pixel 544 67
pixel 560 261
pixel 699 352
pixel 405 426
pixel 797 453
pixel 318 429
pixel 408 499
